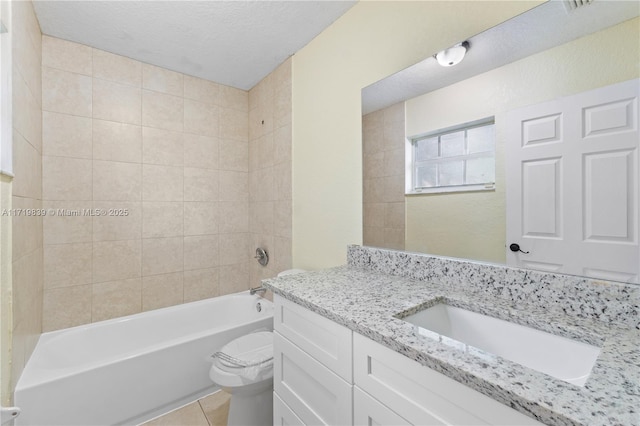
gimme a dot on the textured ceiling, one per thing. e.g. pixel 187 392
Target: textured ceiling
pixel 539 29
pixel 236 43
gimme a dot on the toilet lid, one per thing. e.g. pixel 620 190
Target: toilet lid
pixel 250 350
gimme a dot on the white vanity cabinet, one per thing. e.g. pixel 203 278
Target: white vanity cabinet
pixel 324 374
pixel 312 371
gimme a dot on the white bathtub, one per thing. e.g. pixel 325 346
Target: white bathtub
pixel 131 369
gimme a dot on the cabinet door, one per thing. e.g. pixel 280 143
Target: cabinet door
pixel 422 395
pixel 314 393
pixel 326 341
pixel 283 415
pixel 367 411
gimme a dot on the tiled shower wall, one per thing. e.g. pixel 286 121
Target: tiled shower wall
pixel 383 150
pixel 270 168
pixel 27 270
pixel 163 157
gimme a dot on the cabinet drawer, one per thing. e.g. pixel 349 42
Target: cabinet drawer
pixel 283 415
pixel 422 395
pixel 314 393
pixel 323 339
pixel 368 411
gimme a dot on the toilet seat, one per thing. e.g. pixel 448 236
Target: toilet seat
pixel 247 359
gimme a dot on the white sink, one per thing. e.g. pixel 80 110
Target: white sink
pixel 557 356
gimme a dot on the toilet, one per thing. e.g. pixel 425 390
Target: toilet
pixel 244 369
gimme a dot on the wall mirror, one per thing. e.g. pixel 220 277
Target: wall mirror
pixel 554 53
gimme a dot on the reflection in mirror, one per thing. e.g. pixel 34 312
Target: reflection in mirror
pixel 544 55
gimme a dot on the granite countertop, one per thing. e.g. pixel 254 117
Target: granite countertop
pixel 369 302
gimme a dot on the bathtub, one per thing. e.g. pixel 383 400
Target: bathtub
pixel 130 369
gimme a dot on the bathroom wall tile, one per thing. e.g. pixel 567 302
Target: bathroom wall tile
pixel 162 219
pixel 393 114
pixel 67 264
pixel 66 92
pixel 162 80
pixel 66 178
pixel 283 182
pixel 200 218
pixel 27 60
pixel 66 307
pixel 282 144
pixel 160 291
pixel 282 219
pixel 234 248
pixel 162 255
pixel 282 74
pixel 116 260
pixel 66 55
pixel 373 165
pixel 201 251
pixel 27 112
pixel 394 162
pixel 66 135
pixel 116 299
pixel 373 236
pixel 233 124
pixel 234 186
pixel 230 97
pixel 233 216
pixel 116 181
pixel 201 118
pixel 394 238
pixel 374 190
pixel 117 141
pixel 281 258
pixel 233 278
pixel 234 155
pixel 162 183
pixel 372 139
pixel 266 150
pixel 201 90
pixel 200 284
pixel 162 147
pixel 262 184
pixel 393 136
pixel 393 189
pixel 374 214
pixel 200 184
pixel 282 106
pixel 200 151
pixel 394 215
pixel 124 224
pixel 261 217
pixel 162 111
pixel 27 231
pixel 27 166
pixel 69 223
pixel 116 102
pixel 120 69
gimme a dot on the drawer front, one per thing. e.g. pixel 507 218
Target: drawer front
pixel 422 395
pixel 368 411
pixel 283 415
pixel 323 339
pixel 317 395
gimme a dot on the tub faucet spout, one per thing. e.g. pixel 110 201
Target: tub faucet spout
pixel 257 290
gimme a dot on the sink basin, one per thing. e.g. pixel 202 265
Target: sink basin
pixel 557 356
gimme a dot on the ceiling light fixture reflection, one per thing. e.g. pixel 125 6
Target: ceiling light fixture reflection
pixel 453 55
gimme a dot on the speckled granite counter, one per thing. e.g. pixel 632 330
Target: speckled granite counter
pixel 366 300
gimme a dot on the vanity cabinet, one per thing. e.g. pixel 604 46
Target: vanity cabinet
pixel 326 374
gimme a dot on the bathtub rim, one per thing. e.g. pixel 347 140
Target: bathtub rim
pixel 38 375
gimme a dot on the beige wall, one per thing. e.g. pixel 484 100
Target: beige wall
pixel 25 239
pixel 270 172
pixel 369 42
pixel 172 150
pixel 383 159
pixel 472 225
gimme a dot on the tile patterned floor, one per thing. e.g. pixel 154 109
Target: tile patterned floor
pixel 208 411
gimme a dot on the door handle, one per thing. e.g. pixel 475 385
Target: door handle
pixel 516 248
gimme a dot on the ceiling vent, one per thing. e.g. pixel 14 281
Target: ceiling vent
pixel 572 5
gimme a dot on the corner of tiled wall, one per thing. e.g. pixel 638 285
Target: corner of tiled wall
pixel 170 150
pixel 270 188
pixel 26 251
pixel 383 154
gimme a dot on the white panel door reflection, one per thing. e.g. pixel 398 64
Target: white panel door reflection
pixel 572 184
